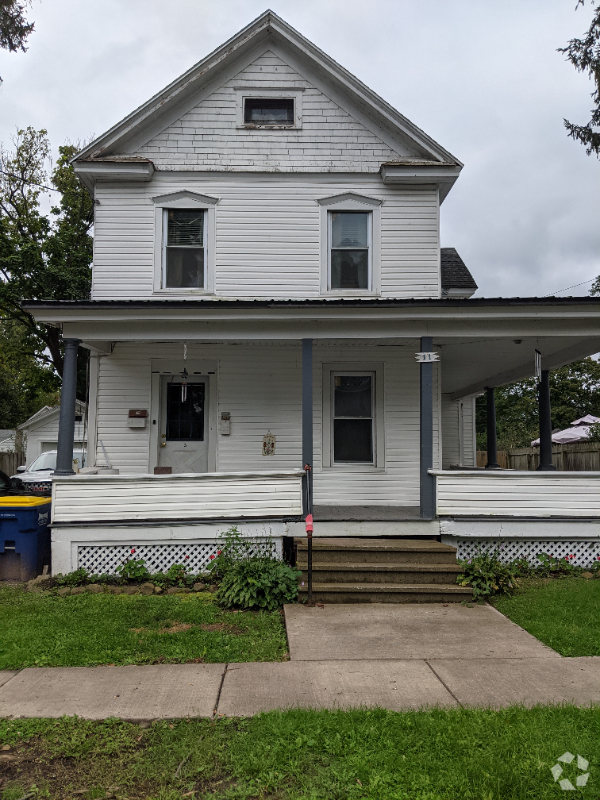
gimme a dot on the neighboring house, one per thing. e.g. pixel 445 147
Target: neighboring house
pixel 40 431
pixel 7 441
pixel 269 293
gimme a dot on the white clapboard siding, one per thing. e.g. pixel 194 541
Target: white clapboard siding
pixel 166 497
pixel 468 432
pixel 267 234
pixel 260 385
pixel 330 138
pixel 518 494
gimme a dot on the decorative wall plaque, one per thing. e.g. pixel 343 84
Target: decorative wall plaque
pixel 269 444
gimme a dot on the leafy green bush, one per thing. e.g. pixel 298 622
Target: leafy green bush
pixel 258 582
pixel 487 575
pixel 551 567
pixel 77 578
pixel 134 569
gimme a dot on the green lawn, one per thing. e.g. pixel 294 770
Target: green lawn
pixel 306 755
pixel 43 630
pixel 563 613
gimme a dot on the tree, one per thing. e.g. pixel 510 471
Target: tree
pixel 26 384
pixel 14 28
pixel 574 392
pixel 42 256
pixel 584 54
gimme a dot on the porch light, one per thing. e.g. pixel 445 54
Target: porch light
pixel 184 385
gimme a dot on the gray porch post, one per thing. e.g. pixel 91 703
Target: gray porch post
pixel 307 423
pixel 427 481
pixel 546 464
pixel 66 422
pixel 492 444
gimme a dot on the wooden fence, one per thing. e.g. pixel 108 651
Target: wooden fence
pixel 575 457
pixel 10 461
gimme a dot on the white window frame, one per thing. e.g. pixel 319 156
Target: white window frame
pixel 184 200
pixel 353 368
pixel 282 92
pixel 351 202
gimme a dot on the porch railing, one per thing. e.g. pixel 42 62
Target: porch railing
pixel 122 498
pixel 480 493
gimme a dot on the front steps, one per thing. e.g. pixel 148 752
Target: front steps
pixel 381 571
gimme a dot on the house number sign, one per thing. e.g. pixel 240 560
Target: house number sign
pixel 427 358
pixel 269 444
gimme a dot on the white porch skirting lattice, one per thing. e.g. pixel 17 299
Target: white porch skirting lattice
pixel 100 559
pixel 585 552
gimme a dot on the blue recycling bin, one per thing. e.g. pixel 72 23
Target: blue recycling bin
pixel 24 537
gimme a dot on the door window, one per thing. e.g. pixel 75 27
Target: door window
pixel 185 419
pixel 353 419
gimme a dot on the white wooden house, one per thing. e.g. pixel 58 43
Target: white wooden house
pixel 40 431
pixel 267 232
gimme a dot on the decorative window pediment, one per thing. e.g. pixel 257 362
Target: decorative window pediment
pixel 348 199
pixel 184 199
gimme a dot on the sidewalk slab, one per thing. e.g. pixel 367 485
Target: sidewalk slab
pixel 396 685
pixel 133 693
pixel 431 630
pixel 502 682
pixel 6 675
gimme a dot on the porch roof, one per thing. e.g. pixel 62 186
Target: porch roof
pixel 483 341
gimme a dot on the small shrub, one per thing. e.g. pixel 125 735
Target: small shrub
pixel 551 567
pixel 258 582
pixel 487 576
pixel 134 569
pixel 234 547
pixel 77 578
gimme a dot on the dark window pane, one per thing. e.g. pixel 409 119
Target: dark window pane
pixel 185 421
pixel 353 440
pixel 352 396
pixel 185 268
pixel 271 111
pixel 349 269
pixel 185 228
pixel 349 229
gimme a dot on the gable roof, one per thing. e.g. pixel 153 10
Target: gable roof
pixel 47 412
pixel 455 274
pixel 120 143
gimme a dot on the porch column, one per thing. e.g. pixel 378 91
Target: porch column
pixel 307 424
pixel 66 421
pixel 492 444
pixel 427 481
pixel 546 464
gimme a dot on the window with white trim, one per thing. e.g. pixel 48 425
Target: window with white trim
pixel 350 249
pixel 184 248
pixel 353 418
pixel 269 111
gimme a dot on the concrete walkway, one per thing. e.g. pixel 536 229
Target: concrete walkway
pixel 394 657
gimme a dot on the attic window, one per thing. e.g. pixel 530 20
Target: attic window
pixel 272 111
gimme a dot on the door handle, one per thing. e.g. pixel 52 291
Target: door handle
pixel 163 444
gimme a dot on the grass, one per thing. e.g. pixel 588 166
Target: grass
pixel 302 755
pixel 43 630
pixel 563 613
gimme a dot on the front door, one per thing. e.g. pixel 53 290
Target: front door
pixel 183 439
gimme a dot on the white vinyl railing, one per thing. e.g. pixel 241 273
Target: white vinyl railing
pixel 480 493
pixel 122 498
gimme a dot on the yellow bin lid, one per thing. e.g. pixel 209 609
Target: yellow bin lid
pixel 25 502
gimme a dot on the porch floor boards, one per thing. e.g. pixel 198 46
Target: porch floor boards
pixel 380 571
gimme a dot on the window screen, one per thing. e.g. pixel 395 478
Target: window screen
pixel 184 249
pixel 349 244
pixel 269 111
pixel 353 419
pixel 185 421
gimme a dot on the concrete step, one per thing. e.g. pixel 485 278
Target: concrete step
pixel 376 551
pixel 386 593
pixel 381 573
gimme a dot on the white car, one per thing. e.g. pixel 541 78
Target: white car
pixel 38 476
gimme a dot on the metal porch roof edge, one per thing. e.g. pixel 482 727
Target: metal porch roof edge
pixel 371 302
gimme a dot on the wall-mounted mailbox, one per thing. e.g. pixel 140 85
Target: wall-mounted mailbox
pixel 138 418
pixel 163 470
pixel 224 423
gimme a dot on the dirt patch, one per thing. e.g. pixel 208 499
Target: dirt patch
pixel 221 627
pixel 176 627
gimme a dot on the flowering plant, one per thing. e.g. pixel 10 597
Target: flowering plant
pixel 487 575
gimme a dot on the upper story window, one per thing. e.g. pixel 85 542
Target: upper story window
pixel 184 238
pixel 184 243
pixel 350 245
pixel 350 249
pixel 268 111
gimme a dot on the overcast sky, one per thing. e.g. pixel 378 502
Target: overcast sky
pixel 483 79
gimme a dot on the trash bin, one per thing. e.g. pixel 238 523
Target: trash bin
pixel 24 537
